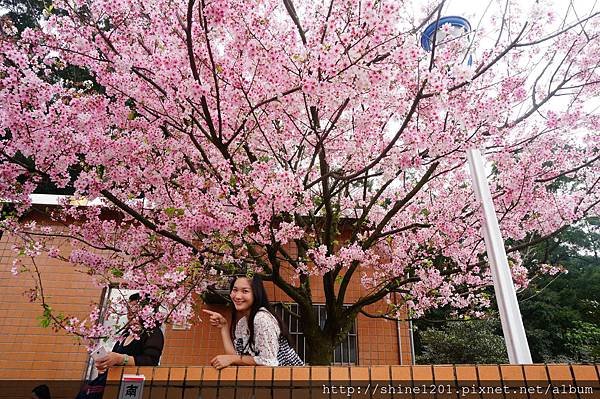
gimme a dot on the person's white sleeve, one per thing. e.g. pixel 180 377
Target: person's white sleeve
pixel 266 339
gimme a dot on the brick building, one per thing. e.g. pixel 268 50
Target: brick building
pixel 29 351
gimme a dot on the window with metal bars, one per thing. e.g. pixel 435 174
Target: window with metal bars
pixel 344 354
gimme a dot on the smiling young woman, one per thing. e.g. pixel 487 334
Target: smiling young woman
pixel 257 336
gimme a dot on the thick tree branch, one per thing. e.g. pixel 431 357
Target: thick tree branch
pixel 567 172
pixel 137 216
pixel 289 6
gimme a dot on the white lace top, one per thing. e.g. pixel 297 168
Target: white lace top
pixel 266 338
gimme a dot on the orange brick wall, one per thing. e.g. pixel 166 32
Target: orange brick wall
pixel 536 381
pixel 27 349
pixel 193 347
pixel 465 382
pixel 378 341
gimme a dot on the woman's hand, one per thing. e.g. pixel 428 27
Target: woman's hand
pixel 221 361
pixel 111 359
pixel 216 319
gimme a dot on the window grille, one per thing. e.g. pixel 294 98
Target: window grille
pixel 344 354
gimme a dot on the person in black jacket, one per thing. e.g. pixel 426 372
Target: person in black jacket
pixel 145 351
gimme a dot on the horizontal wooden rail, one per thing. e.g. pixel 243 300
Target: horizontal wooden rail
pixel 559 381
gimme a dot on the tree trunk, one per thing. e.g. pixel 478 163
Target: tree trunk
pixel 321 343
pixel 319 350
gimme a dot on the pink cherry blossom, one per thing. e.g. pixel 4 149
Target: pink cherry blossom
pixel 321 142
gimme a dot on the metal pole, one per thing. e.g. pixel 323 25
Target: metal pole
pixel 506 296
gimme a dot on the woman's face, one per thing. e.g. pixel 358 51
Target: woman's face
pixel 133 311
pixel 242 295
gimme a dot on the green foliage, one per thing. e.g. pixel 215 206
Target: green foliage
pixel 463 342
pixel 555 309
pixel 45 319
pixel 25 14
pixel 49 319
pixel 174 212
pixel 7 211
pixel 116 272
pixel 583 341
pixel 561 314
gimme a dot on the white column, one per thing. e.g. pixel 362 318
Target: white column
pixel 506 296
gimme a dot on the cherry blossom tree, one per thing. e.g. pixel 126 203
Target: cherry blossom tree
pixel 313 142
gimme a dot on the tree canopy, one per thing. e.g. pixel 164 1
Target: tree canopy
pixel 314 138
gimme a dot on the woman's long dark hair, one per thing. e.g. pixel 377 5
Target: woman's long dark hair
pixel 260 301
